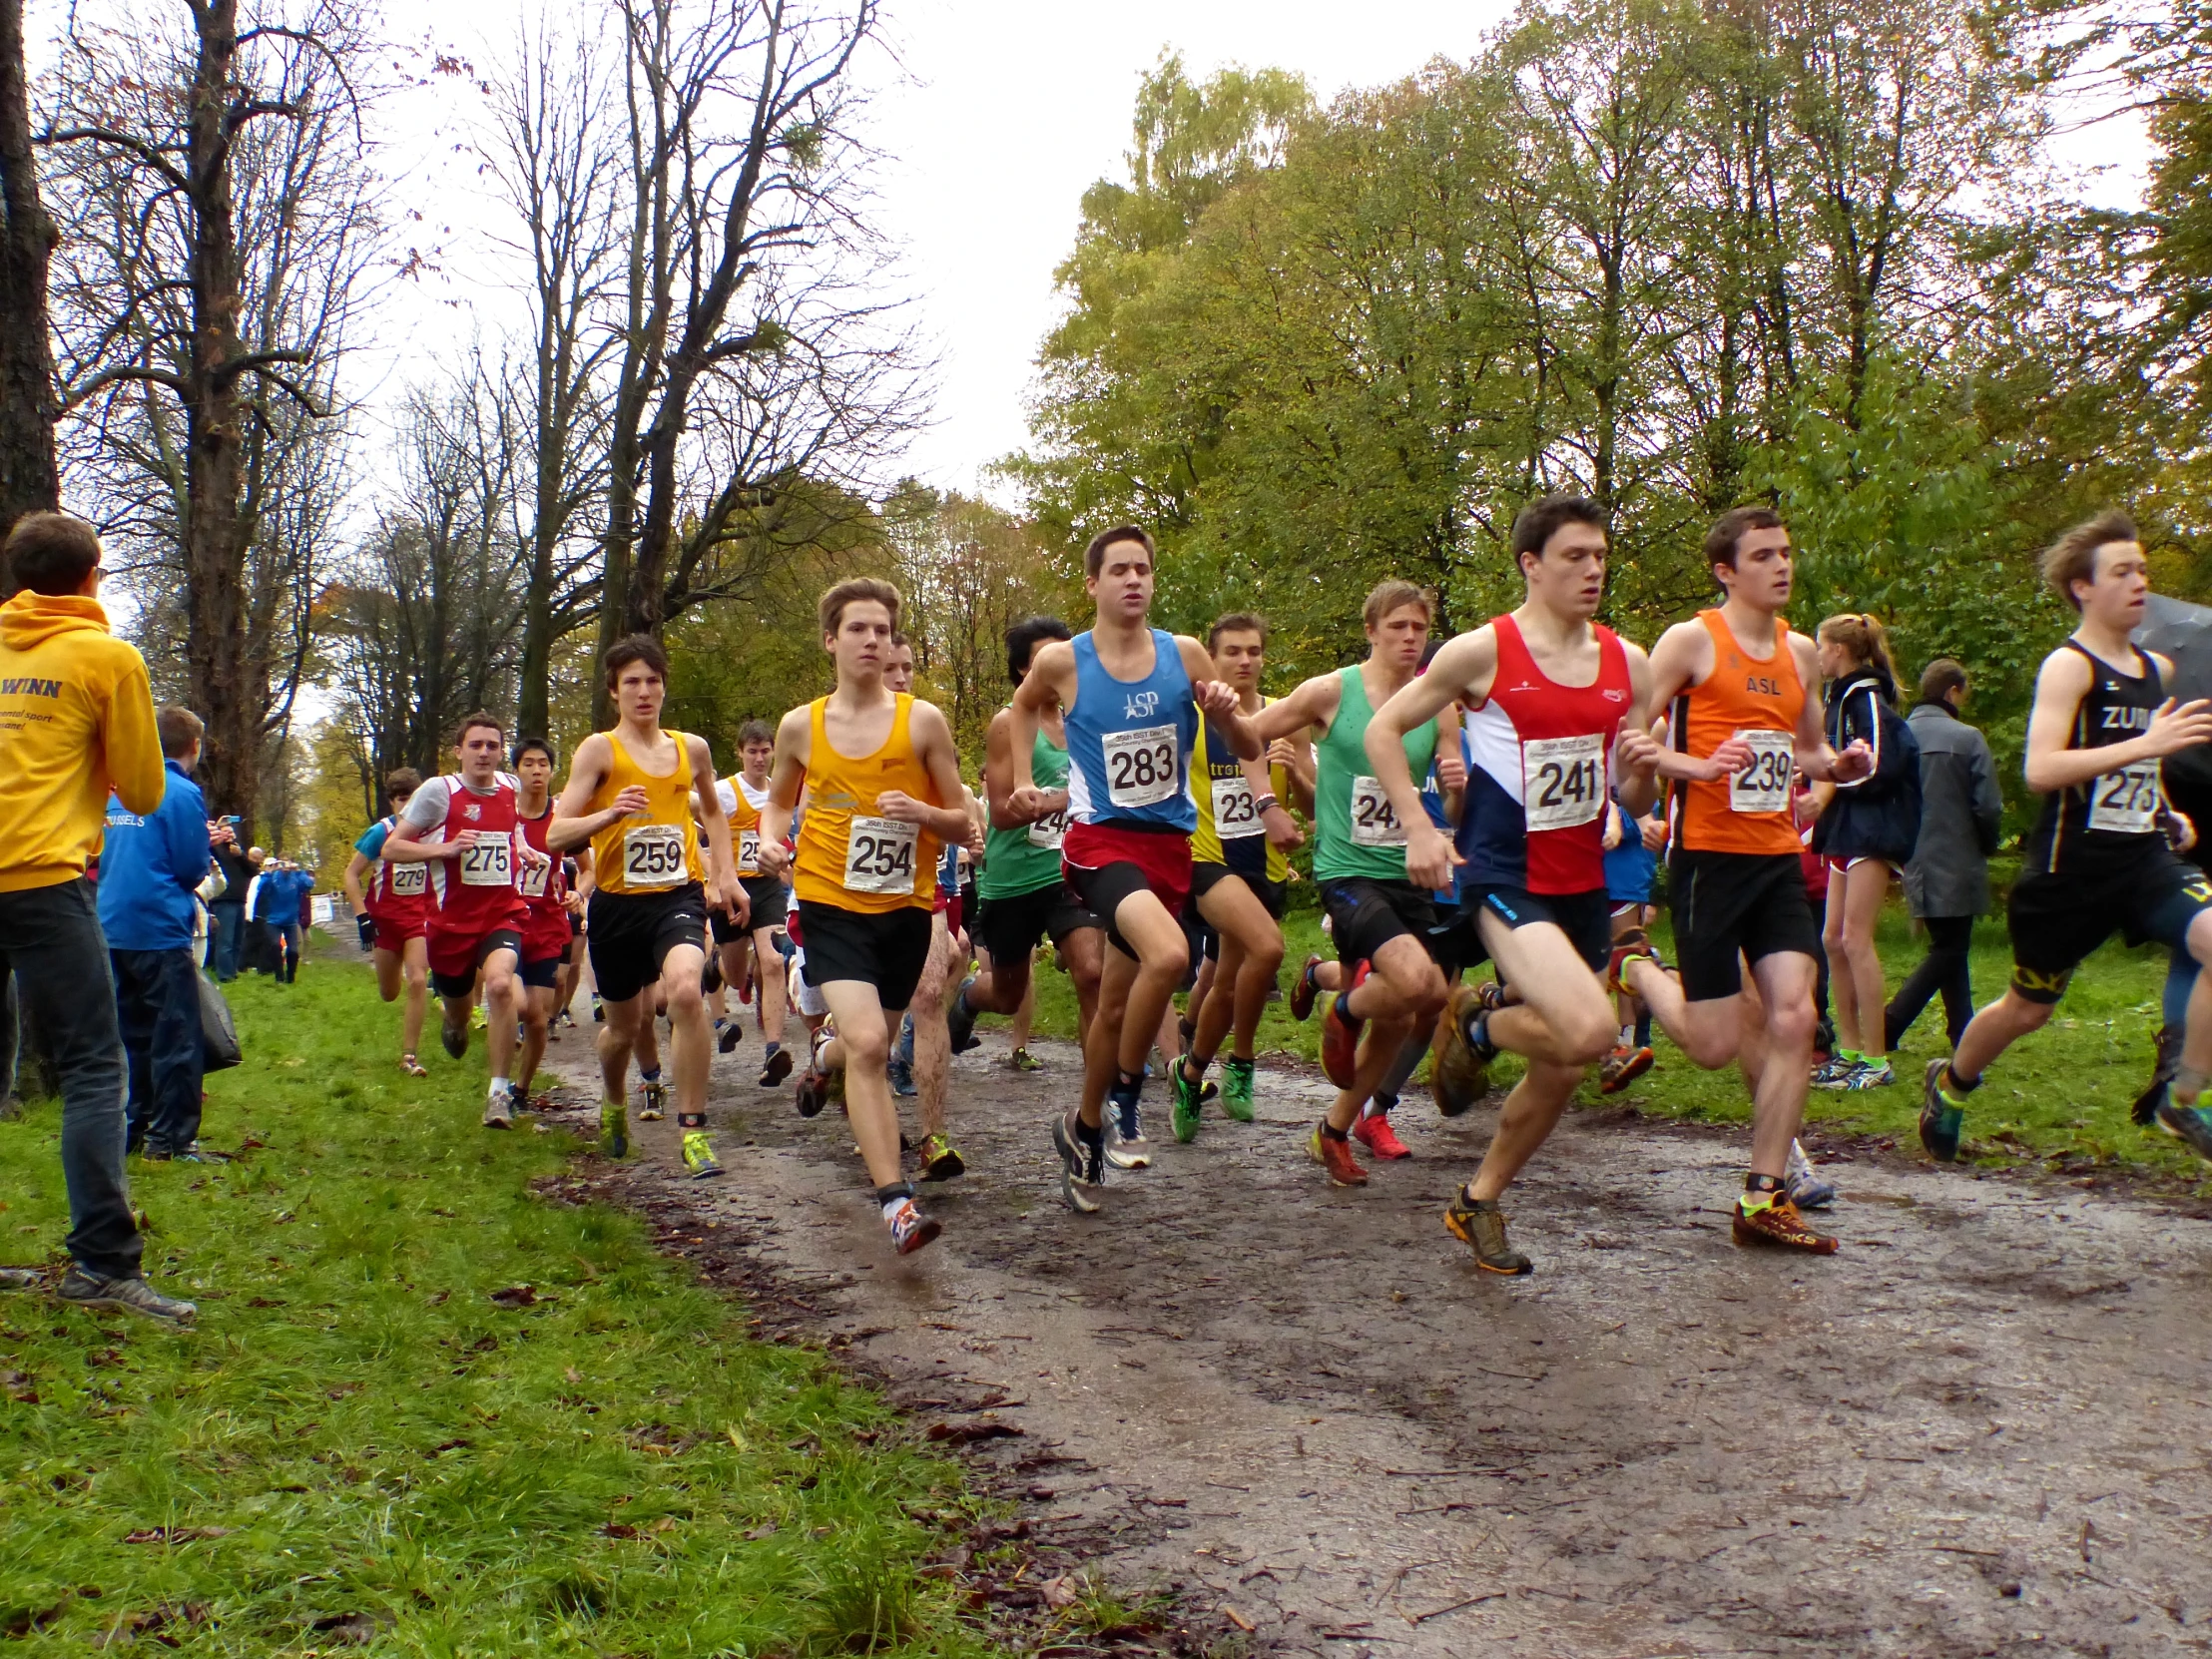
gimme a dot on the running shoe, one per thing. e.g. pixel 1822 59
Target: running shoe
pixel 1942 1117
pixel 699 1162
pixel 22 1279
pixel 1126 1147
pixel 1235 1087
pixel 1479 1224
pixel 1460 1075
pixel 940 1159
pixel 2166 1063
pixel 1807 1187
pixel 910 1228
pixel 480 1020
pixel 959 1020
pixel 1870 1074
pixel 1185 1111
pixel 614 1129
pixel 652 1101
pixel 412 1066
pixel 1623 1067
pixel 777 1068
pixel 813 1092
pixel 1082 1167
pixel 1339 1032
pixel 733 1033
pixel 901 1074
pixel 1021 1060
pixel 1630 945
pixel 1375 1134
pixel 1835 1072
pixel 499 1110
pixel 1336 1157
pixel 132 1294
pixel 1771 1219
pixel 2190 1126
pixel 454 1038
pixel 1304 990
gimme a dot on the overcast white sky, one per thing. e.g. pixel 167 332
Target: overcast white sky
pixel 993 116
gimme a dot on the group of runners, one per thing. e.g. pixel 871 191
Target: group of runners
pixel 1464 799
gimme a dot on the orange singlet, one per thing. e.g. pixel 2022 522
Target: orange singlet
pixel 847 857
pixel 1762 699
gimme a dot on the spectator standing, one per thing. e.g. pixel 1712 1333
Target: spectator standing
pixel 285 901
pixel 258 954
pixel 75 723
pixel 228 911
pixel 149 867
pixel 1947 881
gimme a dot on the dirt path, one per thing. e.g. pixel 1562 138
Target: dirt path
pixel 1980 1430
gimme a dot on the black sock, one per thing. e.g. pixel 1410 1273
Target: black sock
pixel 691 1120
pixel 1193 1068
pixel 1127 1085
pixel 1090 1134
pixel 895 1190
pixel 1960 1084
pixel 1332 1132
pixel 1762 1183
pixel 1643 1029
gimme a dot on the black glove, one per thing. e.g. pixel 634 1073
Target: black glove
pixel 368 925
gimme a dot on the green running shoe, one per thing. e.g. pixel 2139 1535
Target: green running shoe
pixel 1942 1117
pixel 1186 1103
pixel 1235 1088
pixel 699 1162
pixel 2190 1126
pixel 614 1129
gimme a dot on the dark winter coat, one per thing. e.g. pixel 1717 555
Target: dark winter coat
pixel 1962 810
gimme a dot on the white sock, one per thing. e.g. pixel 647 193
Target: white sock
pixel 1628 1036
pixel 892 1207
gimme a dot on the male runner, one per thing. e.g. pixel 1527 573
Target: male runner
pixel 743 799
pixel 1735 682
pixel 1559 708
pixel 1023 897
pixel 1130 696
pixel 476 908
pixel 882 784
pixel 547 931
pixel 631 795
pixel 1383 926
pixel 2099 861
pixel 392 913
pixel 1240 882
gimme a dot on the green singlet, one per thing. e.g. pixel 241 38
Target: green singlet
pixel 1357 833
pixel 1017 861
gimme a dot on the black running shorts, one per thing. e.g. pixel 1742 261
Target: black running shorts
pixel 883 948
pixel 448 983
pixel 1365 915
pixel 770 898
pixel 630 935
pixel 544 974
pixel 1273 895
pixel 1585 917
pixel 2057 919
pixel 1010 925
pixel 1733 908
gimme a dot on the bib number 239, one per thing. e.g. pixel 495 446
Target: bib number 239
pixel 1764 785
pixel 880 855
pixel 1140 765
pixel 1234 815
pixel 652 855
pixel 1374 820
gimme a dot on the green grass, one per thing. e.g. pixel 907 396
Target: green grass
pixel 358 1445
pixel 2061 1096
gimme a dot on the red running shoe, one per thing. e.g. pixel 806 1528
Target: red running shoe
pixel 1340 1037
pixel 1304 990
pixel 1375 1134
pixel 1336 1157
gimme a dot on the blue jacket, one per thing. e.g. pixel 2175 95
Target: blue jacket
pixel 276 899
pixel 148 866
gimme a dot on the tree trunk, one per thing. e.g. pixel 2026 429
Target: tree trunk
pixel 216 642
pixel 29 405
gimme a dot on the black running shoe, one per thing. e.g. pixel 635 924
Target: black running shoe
pixel 2190 1126
pixel 732 1032
pixel 454 1039
pixel 1082 1164
pixel 777 1068
pixel 959 1019
pixel 1942 1117
pixel 2166 1063
pixel 133 1296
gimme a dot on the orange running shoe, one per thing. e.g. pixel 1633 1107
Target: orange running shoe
pixel 1335 1156
pixel 1339 1036
pixel 1623 1067
pixel 1375 1134
pixel 1771 1219
pixel 1303 992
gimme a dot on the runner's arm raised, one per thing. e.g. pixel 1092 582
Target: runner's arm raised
pixel 1217 701
pixel 425 811
pixel 1313 705
pixel 1467 665
pixel 1051 678
pixel 1636 754
pixel 934 749
pixel 725 893
pixel 1680 662
pixel 2059 688
pixel 1814 756
pixel 998 775
pixel 787 776
pixel 573 824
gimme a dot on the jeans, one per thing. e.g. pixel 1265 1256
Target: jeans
pixel 51 939
pixel 230 938
pixel 288 946
pixel 157 997
pixel 1945 968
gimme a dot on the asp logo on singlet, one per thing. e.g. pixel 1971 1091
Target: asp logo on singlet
pixel 1140 704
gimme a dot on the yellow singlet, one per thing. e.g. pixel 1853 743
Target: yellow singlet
pixel 658 850
pixel 849 856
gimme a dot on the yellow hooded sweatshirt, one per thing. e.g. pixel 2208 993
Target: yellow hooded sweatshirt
pixel 75 723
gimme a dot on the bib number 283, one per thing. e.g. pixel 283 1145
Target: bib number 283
pixel 1141 768
pixel 880 855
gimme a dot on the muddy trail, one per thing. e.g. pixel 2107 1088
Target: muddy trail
pixel 1980 1430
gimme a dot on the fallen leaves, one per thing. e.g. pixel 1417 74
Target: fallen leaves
pixel 516 1296
pixel 175 1535
pixel 967 1434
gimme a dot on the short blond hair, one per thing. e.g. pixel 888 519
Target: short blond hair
pixel 1396 595
pixel 832 608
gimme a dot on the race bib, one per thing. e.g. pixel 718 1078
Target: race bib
pixel 1563 780
pixel 2126 801
pixel 1374 820
pixel 749 852
pixel 1236 814
pixel 1764 785
pixel 408 880
pixel 1140 765
pixel 1050 830
pixel 652 855
pixel 488 861
pixel 534 879
pixel 880 855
